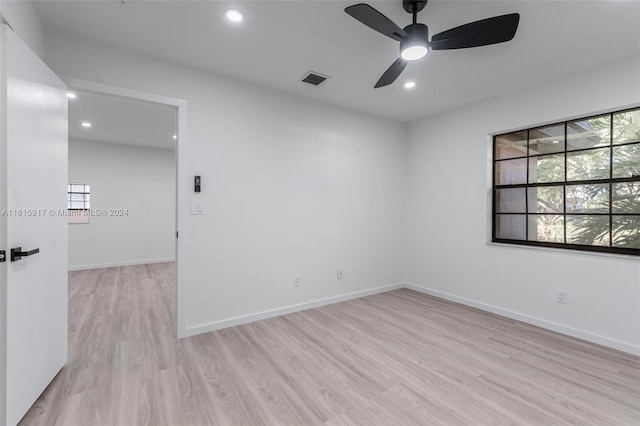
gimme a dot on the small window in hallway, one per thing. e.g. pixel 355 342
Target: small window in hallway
pixel 79 202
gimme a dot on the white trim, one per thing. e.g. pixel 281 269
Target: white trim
pixel 232 322
pixel 114 264
pixel 91 86
pixel 549 325
pixel 4 28
pixel 563 251
pixel 182 181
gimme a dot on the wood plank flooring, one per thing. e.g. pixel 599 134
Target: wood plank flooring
pixel 398 358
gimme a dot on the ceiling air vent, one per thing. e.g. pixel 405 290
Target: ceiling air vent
pixel 314 78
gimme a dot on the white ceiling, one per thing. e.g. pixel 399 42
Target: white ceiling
pixel 280 40
pixel 121 120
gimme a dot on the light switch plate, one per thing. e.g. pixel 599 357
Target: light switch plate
pixel 197 207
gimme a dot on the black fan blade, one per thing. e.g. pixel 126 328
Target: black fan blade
pixel 376 21
pixel 479 33
pixel 391 73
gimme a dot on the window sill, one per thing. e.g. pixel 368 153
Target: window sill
pixel 563 251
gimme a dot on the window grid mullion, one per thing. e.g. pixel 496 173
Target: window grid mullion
pixel 610 179
pixel 526 189
pixel 493 192
pixel 571 182
pixel 564 188
pixel 499 160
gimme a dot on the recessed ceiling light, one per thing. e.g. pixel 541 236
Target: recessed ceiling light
pixel 410 85
pixel 555 142
pixel 85 124
pixel 71 95
pixel 233 15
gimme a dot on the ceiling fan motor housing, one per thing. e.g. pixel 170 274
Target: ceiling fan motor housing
pixel 418 35
pixel 410 5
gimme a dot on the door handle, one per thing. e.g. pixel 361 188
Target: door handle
pixel 17 253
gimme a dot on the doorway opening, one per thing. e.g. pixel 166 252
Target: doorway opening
pixel 142 135
pixel 121 210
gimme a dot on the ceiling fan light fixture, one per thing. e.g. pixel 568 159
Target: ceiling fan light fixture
pixel 415 46
pixel 414 52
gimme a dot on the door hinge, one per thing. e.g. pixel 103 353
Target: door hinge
pixel 3 256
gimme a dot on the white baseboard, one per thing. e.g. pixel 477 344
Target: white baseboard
pixel 549 325
pixel 114 264
pixel 192 331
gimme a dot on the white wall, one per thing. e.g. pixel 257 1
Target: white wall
pixel 140 180
pixel 25 21
pixel 289 186
pixel 294 186
pixel 448 201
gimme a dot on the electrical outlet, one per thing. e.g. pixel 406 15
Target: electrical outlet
pixel 561 296
pixel 296 280
pixel 340 273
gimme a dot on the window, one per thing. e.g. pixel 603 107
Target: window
pixel 573 185
pixel 78 202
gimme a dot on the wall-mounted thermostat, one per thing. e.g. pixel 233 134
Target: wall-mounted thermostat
pixel 196 184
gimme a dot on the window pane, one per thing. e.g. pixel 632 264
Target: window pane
pixel 87 188
pixel 511 172
pixel 546 140
pixel 626 161
pixel 588 198
pixel 77 187
pixel 626 127
pixel 76 205
pixel 511 226
pixel 77 197
pixel 589 133
pixel 548 168
pixel 626 198
pixel 548 228
pixel 546 199
pixel 510 200
pixel 511 145
pixel 588 165
pixel 626 231
pixel 588 230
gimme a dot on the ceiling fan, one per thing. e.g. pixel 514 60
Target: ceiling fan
pixel 414 38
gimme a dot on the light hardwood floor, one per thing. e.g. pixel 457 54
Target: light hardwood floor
pixel 398 358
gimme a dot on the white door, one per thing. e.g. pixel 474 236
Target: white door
pixel 33 194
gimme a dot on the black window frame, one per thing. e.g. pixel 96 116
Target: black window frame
pixel 610 181
pixel 87 192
